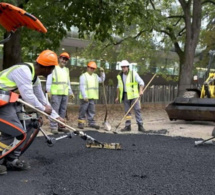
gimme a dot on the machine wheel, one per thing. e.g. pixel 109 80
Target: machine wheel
pixel 190 94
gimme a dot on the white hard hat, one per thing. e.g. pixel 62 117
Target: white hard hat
pixel 124 63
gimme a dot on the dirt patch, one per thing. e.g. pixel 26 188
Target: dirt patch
pixel 155 119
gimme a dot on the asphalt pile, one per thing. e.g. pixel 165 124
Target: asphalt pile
pixel 147 164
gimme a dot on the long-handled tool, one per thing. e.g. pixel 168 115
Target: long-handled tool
pixel 107 125
pixel 206 141
pixel 93 142
pixel 133 104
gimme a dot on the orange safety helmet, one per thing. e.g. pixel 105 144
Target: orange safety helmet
pixel 65 54
pixel 92 65
pixel 47 58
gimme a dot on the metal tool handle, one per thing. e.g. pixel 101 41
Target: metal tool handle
pixel 80 133
pixel 105 97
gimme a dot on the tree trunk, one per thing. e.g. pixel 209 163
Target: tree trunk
pixel 12 50
pixel 185 76
pixel 192 12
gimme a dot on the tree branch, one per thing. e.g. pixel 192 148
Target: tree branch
pixel 122 40
pixel 208 1
pixel 174 40
pixel 181 31
pixel 152 4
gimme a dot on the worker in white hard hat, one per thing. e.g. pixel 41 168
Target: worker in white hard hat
pixel 128 91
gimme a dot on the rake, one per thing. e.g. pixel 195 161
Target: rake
pixel 115 131
pixel 93 143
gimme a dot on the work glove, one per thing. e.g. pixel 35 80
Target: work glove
pixel 72 96
pixel 86 99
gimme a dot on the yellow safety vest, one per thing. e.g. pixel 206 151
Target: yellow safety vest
pixel 60 81
pixel 92 86
pixel 6 83
pixel 131 86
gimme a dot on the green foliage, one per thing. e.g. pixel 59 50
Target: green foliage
pixel 110 82
pixel 122 29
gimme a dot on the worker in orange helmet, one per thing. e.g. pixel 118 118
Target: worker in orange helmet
pixel 16 132
pixel 59 89
pixel 89 92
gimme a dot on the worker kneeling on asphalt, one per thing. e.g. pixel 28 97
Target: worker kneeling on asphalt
pixel 89 92
pixel 59 88
pixel 127 91
pixel 15 135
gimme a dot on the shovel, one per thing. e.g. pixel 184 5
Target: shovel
pixel 107 126
pixel 206 141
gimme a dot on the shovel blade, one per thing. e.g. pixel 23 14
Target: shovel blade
pixel 209 142
pixel 107 126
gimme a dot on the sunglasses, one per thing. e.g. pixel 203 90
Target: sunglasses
pixel 91 68
pixel 65 58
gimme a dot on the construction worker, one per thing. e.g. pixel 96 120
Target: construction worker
pixel 89 92
pixel 128 92
pixel 16 137
pixel 59 88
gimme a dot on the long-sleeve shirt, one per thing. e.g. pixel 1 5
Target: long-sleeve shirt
pixel 82 82
pixel 49 83
pixel 138 79
pixel 31 94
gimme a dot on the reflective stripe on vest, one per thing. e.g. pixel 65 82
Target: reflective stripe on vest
pixel 6 83
pixel 92 86
pixel 131 86
pixel 60 81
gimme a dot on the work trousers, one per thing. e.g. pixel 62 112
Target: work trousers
pixel 87 111
pixel 59 104
pixel 9 134
pixel 137 109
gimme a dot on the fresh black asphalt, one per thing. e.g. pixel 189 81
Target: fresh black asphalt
pixel 146 165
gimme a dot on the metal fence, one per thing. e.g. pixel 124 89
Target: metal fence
pixel 153 94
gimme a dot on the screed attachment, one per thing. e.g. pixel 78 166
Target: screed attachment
pixel 111 146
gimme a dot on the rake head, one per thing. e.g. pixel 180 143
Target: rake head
pixel 111 146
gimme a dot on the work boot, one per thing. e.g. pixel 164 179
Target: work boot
pixel 141 128
pixel 64 130
pixel 94 126
pixel 17 164
pixel 54 131
pixel 126 128
pixel 81 125
pixel 3 170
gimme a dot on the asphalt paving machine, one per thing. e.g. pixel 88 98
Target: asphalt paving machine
pixel 197 104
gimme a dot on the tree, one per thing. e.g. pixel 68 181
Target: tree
pixel 178 21
pixel 28 41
